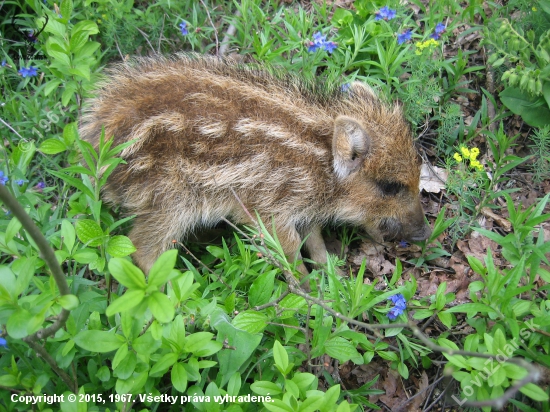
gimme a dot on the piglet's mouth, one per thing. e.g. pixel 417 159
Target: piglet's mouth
pixel 393 229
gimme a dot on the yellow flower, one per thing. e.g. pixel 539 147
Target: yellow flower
pixel 457 157
pixel 474 152
pixel 465 152
pixel 534 9
pixel 418 52
pixel 476 165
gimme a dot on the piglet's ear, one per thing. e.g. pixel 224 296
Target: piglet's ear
pixel 350 145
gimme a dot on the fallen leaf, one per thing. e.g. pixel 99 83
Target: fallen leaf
pixel 432 178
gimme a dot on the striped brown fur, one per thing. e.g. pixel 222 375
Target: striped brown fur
pixel 290 149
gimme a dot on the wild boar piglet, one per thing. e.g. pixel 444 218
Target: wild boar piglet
pixel 294 151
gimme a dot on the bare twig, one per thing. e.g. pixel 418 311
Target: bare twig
pixel 207 268
pixel 118 48
pixel 46 253
pixel 51 361
pixel 12 129
pixel 212 24
pixel 146 39
pixel 228 34
pixel 161 31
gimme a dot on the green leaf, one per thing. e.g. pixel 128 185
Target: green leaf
pixel 99 341
pixel 234 384
pixel 126 366
pixel 251 322
pixel 304 381
pixel 403 370
pixel 471 308
pixel 293 303
pixel 86 25
pixel 52 146
pixel 161 269
pixel 161 307
pixel 51 86
pixel 533 110
pixel 341 349
pixel 243 345
pixel 70 89
pixel 197 340
pixel 534 392
pixel 74 182
pixel 546 85
pixel 70 133
pixel 18 323
pixel 261 289
pixel 127 274
pixel 312 403
pixel 265 388
pixel 207 350
pixel 66 9
pixel 81 70
pixel 280 356
pixel 277 405
pixel 85 256
pixel 89 231
pixel 78 40
pixel 129 300
pixel 342 17
pixel 68 235
pixel 422 314
pixel 179 377
pixel 440 296
pixel 8 380
pixel 120 246
pixel 146 344
pixel 457 360
pixel 68 302
pixel 446 318
pixel 163 364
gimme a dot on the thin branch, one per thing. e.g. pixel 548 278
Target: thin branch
pixel 228 34
pixel 146 39
pixel 51 361
pixel 212 24
pixel 46 253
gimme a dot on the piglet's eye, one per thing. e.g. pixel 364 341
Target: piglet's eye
pixel 390 188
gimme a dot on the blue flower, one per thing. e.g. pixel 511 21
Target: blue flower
pixel 3 343
pixel 320 42
pixel 3 179
pixel 28 72
pixel 399 301
pixel 4 63
pixel 346 87
pixel 21 182
pixel 39 186
pixel 438 31
pixel 394 313
pixel 440 28
pixel 385 13
pixel 403 243
pixel 400 304
pixel 183 28
pixel 330 46
pixel 404 37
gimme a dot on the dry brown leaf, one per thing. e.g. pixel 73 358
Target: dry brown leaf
pixel 377 264
pixel 502 222
pixel 432 178
pixel 423 384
